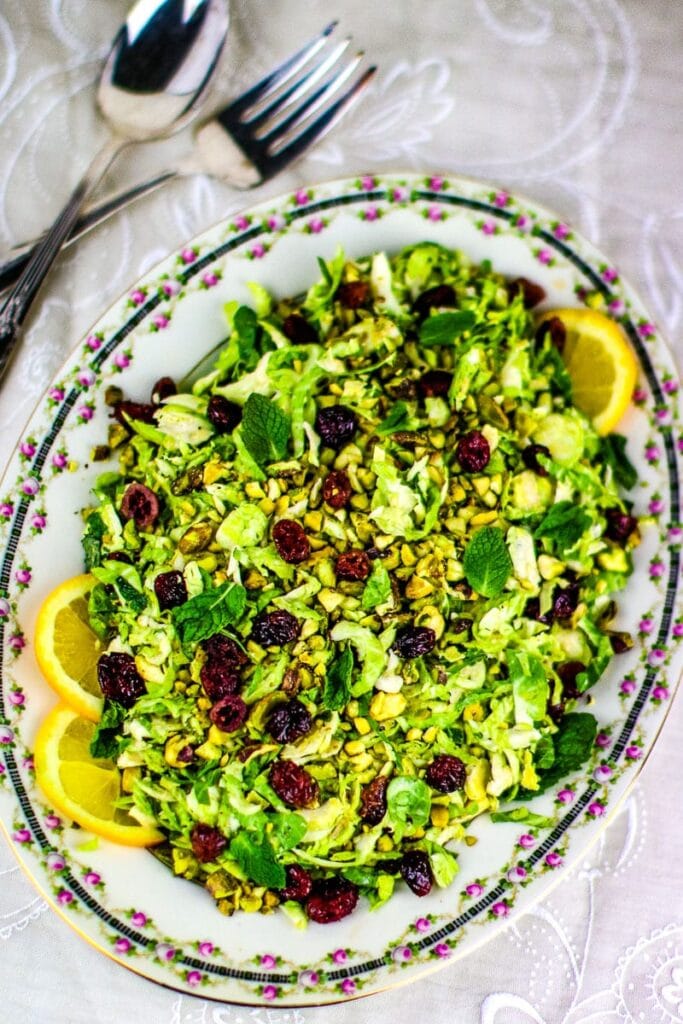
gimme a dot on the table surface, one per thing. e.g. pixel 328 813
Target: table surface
pixel 577 104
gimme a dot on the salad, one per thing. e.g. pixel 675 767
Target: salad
pixel 355 584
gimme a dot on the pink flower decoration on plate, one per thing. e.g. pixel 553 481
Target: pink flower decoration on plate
pixel 544 256
pixel 269 992
pixel 137 297
pixel 122 945
pixel 258 251
pixel 16 698
pixel 339 956
pixel 442 950
pixel 367 183
pixel 56 394
pixel 422 924
pixel 160 321
pixel 122 360
pixel 194 978
pixel 241 223
pixel 596 809
pixel 526 841
pixel 517 873
pixel 22 835
pixel 660 693
pixel 474 889
pixel 206 948
pixel 210 279
pixel 348 986
pixel 633 752
pixel 627 686
pixel 316 225
pixel 553 860
pixel 500 909
pixel 64 897
pixel 28 449
pixel 565 796
pixel 646 329
pixel 139 919
pixel 489 227
pixel 371 213
pixel 435 213
pixel 188 255
pixel 501 199
pixel 93 342
pixel 268 961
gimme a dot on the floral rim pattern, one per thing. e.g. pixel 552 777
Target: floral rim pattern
pixel 643 692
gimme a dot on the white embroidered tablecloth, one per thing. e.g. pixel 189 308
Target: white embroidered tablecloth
pixel 576 103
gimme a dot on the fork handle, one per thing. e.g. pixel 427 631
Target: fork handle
pixel 18 302
pixel 12 268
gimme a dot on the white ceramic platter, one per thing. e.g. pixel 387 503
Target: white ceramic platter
pixel 124 901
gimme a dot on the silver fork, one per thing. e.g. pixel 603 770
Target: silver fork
pixel 256 136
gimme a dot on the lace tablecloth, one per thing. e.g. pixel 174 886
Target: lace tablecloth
pixel 578 104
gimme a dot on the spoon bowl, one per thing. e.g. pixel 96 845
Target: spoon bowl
pixel 160 65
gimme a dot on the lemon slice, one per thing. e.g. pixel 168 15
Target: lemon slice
pixel 602 367
pixel 66 648
pixel 80 786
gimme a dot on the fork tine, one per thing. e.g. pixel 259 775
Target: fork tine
pixel 311 103
pixel 278 159
pixel 298 88
pixel 279 75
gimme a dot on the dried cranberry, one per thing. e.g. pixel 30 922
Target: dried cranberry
pixel 568 672
pixel 337 488
pixel 461 624
pixel 446 773
pixel 141 505
pixel 291 541
pixel 207 842
pixel 473 452
pixel 275 629
pixel 373 800
pixel 414 641
pixel 438 297
pixel 565 601
pixel 220 647
pixel 532 293
pixel 229 714
pixel 353 294
pixel 119 556
pixel 170 589
pixel 119 679
pixel 299 883
pixel 553 327
pixel 353 566
pixel 185 754
pixel 125 411
pixel 287 722
pixel 336 425
pixel 556 711
pixel 435 383
pixel 530 458
pixel 621 642
pixel 331 900
pixel 223 415
pixel 532 610
pixel 620 525
pixel 219 679
pixel 299 330
pixel 293 784
pixel 417 872
pixel 164 388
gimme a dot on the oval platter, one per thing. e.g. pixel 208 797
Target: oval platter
pixel 123 901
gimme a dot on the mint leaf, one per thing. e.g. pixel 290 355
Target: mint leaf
pixel 257 860
pixel 377 589
pixel 265 429
pixel 92 540
pixel 445 328
pixel 105 741
pixel 574 744
pixel 209 612
pixel 486 562
pixel 288 829
pixel 398 419
pixel 130 595
pixel 337 686
pixel 564 524
pixel 613 451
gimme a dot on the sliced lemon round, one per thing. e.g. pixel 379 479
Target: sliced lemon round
pixel 601 364
pixel 67 649
pixel 80 786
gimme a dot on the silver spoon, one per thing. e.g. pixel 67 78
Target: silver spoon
pixel 157 70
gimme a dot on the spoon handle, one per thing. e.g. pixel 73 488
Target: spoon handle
pixel 18 302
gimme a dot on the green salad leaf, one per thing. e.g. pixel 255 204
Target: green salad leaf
pixel 446 328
